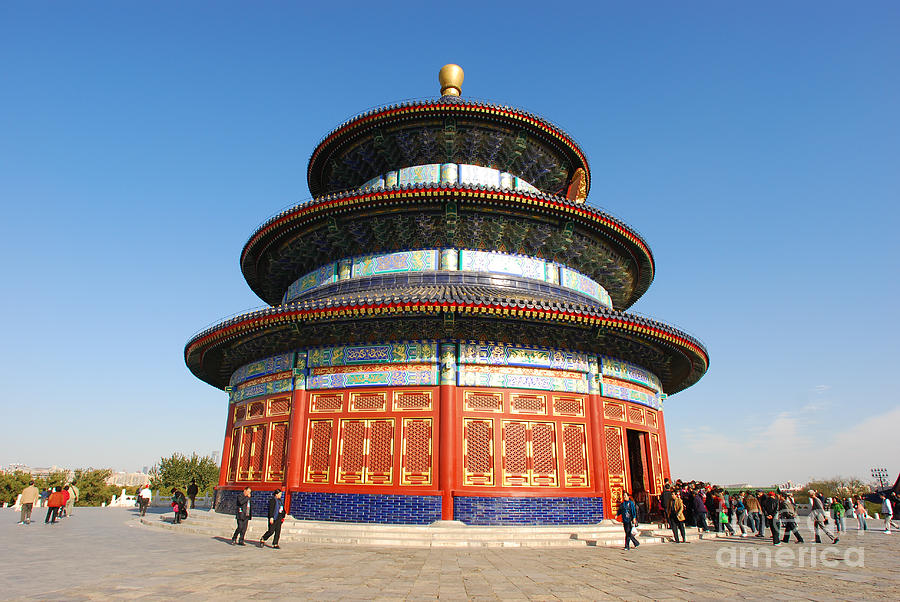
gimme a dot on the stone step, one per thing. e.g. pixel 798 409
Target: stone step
pixel 408 536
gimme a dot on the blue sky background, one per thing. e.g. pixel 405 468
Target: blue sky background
pixel 756 147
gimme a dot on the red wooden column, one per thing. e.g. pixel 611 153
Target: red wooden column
pixel 447 446
pixel 663 446
pixel 226 448
pixel 296 439
pixel 595 414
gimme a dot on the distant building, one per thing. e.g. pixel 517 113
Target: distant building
pixel 128 479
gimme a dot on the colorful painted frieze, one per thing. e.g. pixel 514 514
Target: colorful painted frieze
pixel 324 275
pixel 393 375
pixel 449 173
pixel 623 391
pixel 581 283
pixel 420 174
pixel 267 387
pixel 500 354
pixel 477 175
pixel 501 263
pixel 610 366
pixel 410 352
pixel 510 377
pixel 392 263
pixel 270 365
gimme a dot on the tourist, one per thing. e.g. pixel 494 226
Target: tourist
pixel 788 515
pixel 887 512
pixel 740 512
pixel 67 495
pixel 243 515
pixel 837 513
pixel 722 515
pixel 770 507
pixel 895 502
pixel 819 517
pixel 54 501
pixel 73 497
pixel 676 518
pixel 700 512
pixel 712 509
pixel 30 496
pixel 178 505
pixel 754 514
pixel 276 517
pixel 45 495
pixel 861 514
pixel 192 491
pixel 144 497
pixel 628 512
pixel 665 500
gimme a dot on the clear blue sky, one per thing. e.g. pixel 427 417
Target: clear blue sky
pixel 755 146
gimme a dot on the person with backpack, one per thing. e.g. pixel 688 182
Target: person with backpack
pixel 628 512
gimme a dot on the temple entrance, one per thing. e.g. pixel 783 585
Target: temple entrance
pixel 638 448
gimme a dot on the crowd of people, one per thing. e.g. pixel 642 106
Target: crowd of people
pixel 59 501
pixel 710 508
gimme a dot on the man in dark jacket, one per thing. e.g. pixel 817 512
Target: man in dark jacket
pixel 243 515
pixel 700 511
pixel 770 508
pixel 192 492
pixel 276 517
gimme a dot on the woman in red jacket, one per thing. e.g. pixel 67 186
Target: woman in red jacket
pixel 55 500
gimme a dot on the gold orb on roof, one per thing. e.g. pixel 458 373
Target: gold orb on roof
pixel 451 78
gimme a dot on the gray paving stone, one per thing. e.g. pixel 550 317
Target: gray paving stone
pixel 106 554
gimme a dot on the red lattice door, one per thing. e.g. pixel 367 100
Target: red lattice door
pixel 277 452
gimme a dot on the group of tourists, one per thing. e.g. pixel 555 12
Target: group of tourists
pixel 710 508
pixel 244 512
pixel 59 501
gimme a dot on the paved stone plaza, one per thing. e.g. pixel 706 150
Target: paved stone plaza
pixel 107 553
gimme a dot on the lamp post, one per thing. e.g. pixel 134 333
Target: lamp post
pixel 880 474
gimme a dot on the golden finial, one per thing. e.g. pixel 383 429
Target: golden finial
pixel 451 78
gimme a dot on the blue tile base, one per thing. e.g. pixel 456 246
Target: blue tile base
pixel 528 510
pixel 366 508
pixel 226 501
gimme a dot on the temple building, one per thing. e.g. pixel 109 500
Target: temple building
pixel 446 335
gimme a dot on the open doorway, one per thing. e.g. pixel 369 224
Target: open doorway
pixel 637 447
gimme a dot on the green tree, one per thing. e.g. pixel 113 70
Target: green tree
pixel 92 487
pixel 840 487
pixel 178 470
pixel 12 484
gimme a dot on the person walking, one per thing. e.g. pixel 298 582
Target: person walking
pixel 676 518
pixel 740 512
pixel 30 496
pixel 770 507
pixel 819 517
pixel 145 495
pixel 788 515
pixel 754 514
pixel 192 491
pixel 73 497
pixel 243 515
pixel 837 513
pixel 54 501
pixel 861 514
pixel 628 511
pixel 65 502
pixel 276 517
pixel 887 512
